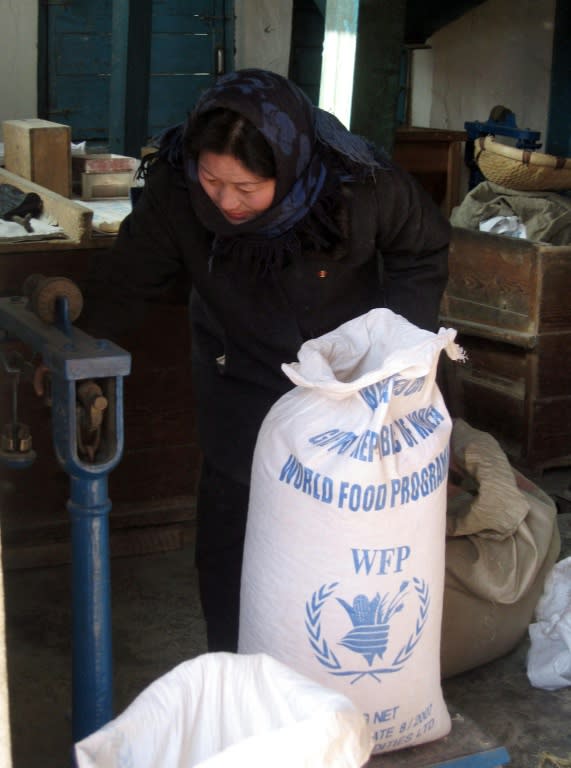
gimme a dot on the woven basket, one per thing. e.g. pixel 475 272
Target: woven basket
pixel 519 168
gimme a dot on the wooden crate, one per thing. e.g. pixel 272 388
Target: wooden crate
pixel 40 151
pixel 509 301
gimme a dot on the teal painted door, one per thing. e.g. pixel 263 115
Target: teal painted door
pixel 191 41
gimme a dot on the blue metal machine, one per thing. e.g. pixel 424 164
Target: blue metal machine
pixel 86 394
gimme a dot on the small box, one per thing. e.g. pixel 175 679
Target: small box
pixel 102 185
pixel 102 163
pixel 40 151
pixel 102 175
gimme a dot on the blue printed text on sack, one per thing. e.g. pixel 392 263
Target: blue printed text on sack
pixel 379 562
pixel 370 445
pixel 393 386
pixel 374 497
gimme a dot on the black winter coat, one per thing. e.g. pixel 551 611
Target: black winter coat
pixel 245 325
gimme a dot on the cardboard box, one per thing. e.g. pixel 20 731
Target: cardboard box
pixel 40 151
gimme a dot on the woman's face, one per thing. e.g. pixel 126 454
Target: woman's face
pixel 239 194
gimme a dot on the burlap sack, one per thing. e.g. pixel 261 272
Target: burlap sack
pixel 502 540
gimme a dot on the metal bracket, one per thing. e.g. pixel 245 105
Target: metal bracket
pixel 72 357
pixel 490 758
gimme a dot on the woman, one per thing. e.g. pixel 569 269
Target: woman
pixel 287 225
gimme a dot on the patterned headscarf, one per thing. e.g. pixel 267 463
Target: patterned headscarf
pixel 313 152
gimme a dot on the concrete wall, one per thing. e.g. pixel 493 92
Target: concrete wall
pixel 498 53
pixel 18 59
pixel 263 34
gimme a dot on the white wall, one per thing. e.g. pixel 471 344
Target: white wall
pixel 18 59
pixel 498 53
pixel 263 34
pixel 422 67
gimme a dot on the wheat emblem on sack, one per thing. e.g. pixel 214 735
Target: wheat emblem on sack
pixel 370 634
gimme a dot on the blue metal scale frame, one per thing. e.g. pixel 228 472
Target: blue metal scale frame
pixel 71 356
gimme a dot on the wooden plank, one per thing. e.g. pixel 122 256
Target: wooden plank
pixel 42 529
pixel 40 151
pixel 418 135
pixel 75 219
pixel 104 162
pixel 130 69
pixel 122 543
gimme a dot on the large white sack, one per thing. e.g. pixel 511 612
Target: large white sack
pixel 222 710
pixel 549 655
pixel 343 574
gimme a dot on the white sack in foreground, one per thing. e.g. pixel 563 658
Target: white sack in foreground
pixel 222 710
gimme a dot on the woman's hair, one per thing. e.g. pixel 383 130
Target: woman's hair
pixel 226 132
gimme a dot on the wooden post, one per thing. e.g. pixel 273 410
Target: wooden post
pixel 130 68
pixel 5 738
pixel 40 151
pixel 559 122
pixel 380 40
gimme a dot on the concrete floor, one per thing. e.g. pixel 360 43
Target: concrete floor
pixel 157 624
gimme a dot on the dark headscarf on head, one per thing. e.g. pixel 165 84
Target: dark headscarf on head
pixel 313 153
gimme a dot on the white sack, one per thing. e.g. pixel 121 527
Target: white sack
pixel 222 710
pixel 549 655
pixel 343 575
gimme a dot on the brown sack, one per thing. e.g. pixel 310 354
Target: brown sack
pixel 502 539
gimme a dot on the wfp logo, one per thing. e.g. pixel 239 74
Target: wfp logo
pixel 370 635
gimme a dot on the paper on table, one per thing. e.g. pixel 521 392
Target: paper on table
pixel 107 214
pixel 41 229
